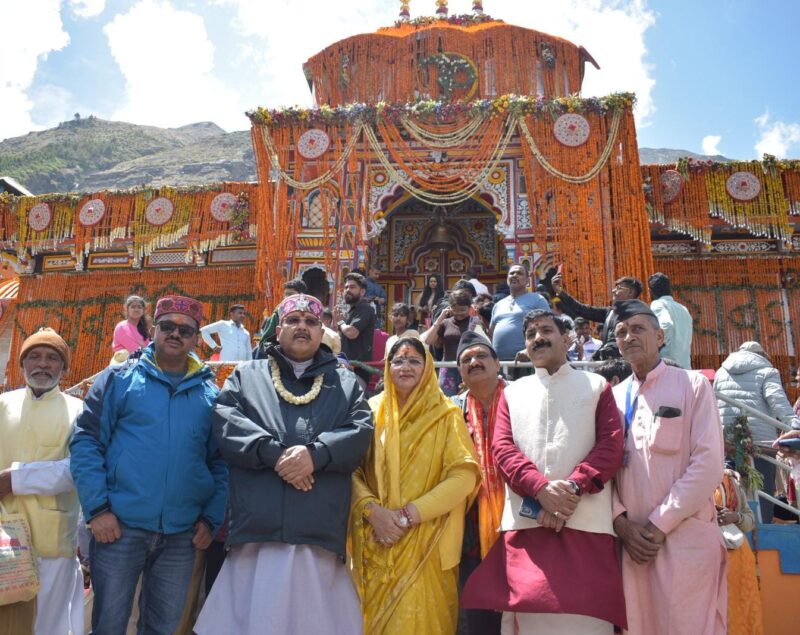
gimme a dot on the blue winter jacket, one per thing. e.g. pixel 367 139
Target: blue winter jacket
pixel 144 449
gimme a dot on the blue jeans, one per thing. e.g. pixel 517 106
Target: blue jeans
pixel 165 563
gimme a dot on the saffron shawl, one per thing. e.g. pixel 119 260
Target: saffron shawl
pixel 411 584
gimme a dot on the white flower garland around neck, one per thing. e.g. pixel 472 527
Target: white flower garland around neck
pixel 284 394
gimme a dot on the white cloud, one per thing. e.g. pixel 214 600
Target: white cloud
pixel 711 144
pixel 167 60
pixel 777 137
pixel 612 31
pixel 87 8
pixel 36 31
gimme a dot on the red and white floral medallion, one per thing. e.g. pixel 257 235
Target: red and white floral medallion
pixel 222 207
pixel 571 129
pixel 39 217
pixel 313 143
pixel 743 186
pixel 159 211
pixel 92 212
pixel 671 185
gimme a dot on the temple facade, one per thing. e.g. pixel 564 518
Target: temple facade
pixel 436 145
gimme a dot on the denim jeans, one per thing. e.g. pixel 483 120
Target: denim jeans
pixel 164 561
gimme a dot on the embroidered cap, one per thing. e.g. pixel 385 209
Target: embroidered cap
pixel 300 302
pixel 179 304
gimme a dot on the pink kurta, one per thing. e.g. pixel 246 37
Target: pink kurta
pixel 127 337
pixel 673 467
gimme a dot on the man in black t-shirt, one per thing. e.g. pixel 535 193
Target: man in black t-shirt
pixel 357 326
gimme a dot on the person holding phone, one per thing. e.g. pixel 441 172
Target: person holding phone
pixel 557 443
pixel 674 561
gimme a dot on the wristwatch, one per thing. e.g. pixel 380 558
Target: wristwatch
pixel 575 487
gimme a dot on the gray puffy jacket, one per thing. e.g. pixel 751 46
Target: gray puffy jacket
pixel 751 379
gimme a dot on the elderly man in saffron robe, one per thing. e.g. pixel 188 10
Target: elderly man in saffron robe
pixel 674 561
pixel 557 443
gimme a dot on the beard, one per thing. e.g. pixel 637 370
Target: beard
pixel 40 381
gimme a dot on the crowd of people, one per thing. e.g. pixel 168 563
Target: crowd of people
pixel 575 498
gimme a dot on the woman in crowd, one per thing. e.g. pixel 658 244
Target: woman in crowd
pixel 744 599
pixel 133 332
pixel 433 292
pixel 401 325
pixel 409 501
pixel 446 333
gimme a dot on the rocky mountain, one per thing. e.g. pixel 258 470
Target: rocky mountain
pixel 91 154
pixel 649 156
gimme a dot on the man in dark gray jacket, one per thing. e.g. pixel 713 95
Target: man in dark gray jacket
pixel 293 427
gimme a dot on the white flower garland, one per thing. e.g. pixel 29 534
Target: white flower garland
pixel 284 394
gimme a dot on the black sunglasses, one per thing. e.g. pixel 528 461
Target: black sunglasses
pixel 167 327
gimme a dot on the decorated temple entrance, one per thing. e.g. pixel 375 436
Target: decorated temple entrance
pixel 420 239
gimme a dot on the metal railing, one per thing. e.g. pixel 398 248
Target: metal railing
pixel 760 494
pixel 78 391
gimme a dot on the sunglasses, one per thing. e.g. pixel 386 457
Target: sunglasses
pixel 184 330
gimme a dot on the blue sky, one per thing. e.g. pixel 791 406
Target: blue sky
pixel 711 76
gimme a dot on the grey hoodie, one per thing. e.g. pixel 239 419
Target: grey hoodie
pixel 750 378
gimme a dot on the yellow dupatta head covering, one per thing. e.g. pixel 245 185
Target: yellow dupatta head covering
pixel 413 448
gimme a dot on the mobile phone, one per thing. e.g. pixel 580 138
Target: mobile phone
pixel 530 507
pixel 789 444
pixel 560 269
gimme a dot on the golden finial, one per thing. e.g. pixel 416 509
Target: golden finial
pixel 441 8
pixel 404 12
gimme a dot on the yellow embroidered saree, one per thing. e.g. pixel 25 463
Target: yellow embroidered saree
pixel 420 454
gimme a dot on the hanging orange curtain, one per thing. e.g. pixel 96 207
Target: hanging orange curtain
pixel 736 299
pixel 598 229
pixel 397 63
pixel 84 307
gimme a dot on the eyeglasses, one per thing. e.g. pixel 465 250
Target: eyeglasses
pixel 167 327
pixel 413 362
pixel 295 320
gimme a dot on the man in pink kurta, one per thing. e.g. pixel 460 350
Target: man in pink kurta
pixel 674 561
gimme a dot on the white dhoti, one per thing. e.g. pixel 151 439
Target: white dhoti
pixel 280 588
pixel 59 603
pixel 554 624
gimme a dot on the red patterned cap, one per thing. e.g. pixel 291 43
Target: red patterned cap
pixel 179 304
pixel 300 302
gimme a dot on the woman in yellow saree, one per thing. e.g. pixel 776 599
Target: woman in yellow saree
pixel 409 500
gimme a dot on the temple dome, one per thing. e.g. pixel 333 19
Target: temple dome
pixel 444 60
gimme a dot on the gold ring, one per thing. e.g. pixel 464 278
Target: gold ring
pixel 557 514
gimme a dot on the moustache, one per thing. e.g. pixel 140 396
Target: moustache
pixel 475 368
pixel 46 373
pixel 301 336
pixel 539 345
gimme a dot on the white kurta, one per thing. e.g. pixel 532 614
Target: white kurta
pixel 59 605
pixel 234 340
pixel 273 587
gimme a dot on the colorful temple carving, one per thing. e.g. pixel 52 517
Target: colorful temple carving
pixel 436 145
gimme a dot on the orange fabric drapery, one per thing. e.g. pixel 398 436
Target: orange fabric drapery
pixel 733 300
pixel 597 229
pixel 85 307
pixel 400 63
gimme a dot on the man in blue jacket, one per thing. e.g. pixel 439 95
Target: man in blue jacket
pixel 150 477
